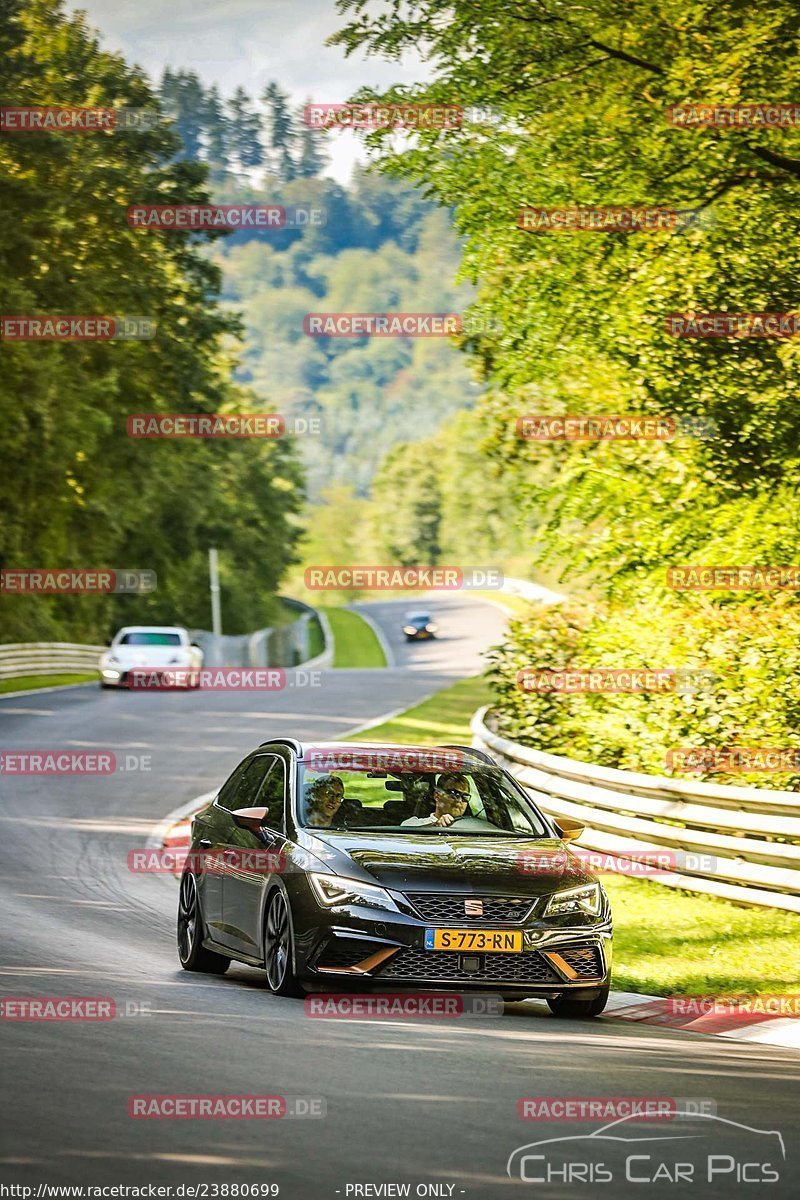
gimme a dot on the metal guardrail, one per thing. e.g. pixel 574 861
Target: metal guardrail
pixel 283 646
pixel 738 843
pixel 47 658
pixel 276 646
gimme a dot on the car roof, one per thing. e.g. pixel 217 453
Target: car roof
pixel 151 629
pixel 417 615
pixel 301 748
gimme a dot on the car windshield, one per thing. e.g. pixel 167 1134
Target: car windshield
pixel 150 638
pixel 447 794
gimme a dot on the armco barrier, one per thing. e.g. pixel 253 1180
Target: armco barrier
pixel 279 646
pixel 741 843
pixel 47 658
pixel 284 646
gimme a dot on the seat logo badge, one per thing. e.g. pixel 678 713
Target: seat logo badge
pixel 473 908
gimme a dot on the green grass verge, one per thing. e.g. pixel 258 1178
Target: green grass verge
pixel 443 718
pixel 316 638
pixel 23 683
pixel 665 941
pixel 668 941
pixel 518 606
pixel 355 644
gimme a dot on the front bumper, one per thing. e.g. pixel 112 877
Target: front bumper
pixel 169 678
pixel 387 950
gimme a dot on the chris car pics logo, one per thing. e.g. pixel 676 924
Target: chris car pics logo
pixel 696 1147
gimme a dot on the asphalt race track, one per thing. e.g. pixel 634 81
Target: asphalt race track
pixel 430 1103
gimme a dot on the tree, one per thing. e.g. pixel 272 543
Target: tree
pixel 83 493
pixel 280 132
pixel 245 128
pixel 217 133
pixel 311 157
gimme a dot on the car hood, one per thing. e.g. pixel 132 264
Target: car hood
pixel 430 862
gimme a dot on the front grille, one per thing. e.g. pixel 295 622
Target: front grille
pixel 341 953
pixel 436 966
pixel 449 909
pixel 586 960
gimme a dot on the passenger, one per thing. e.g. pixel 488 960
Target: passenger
pixel 323 799
pixel 451 797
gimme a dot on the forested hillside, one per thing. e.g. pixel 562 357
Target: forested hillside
pixel 380 246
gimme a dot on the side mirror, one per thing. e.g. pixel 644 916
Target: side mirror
pixel 568 829
pixel 250 818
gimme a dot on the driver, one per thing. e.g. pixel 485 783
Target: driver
pixel 323 799
pixel 451 798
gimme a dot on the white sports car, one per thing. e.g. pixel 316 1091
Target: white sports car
pixel 149 647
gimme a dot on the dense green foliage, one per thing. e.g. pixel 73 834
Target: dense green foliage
pixel 578 98
pixel 77 490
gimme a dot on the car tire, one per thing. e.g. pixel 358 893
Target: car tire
pixel 566 1005
pixel 279 947
pixel 193 955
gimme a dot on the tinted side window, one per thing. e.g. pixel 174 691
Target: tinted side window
pixel 241 789
pixel 272 795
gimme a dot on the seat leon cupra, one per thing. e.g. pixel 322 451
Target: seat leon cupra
pixel 346 865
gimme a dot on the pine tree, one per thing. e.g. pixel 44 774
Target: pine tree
pixel 311 158
pixel 216 132
pixel 245 128
pixel 281 133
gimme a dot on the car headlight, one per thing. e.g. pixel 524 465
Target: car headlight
pixel 431 628
pixel 585 899
pixel 333 889
pixel 410 629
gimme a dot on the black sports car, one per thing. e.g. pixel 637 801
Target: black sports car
pixel 392 867
pixel 419 626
